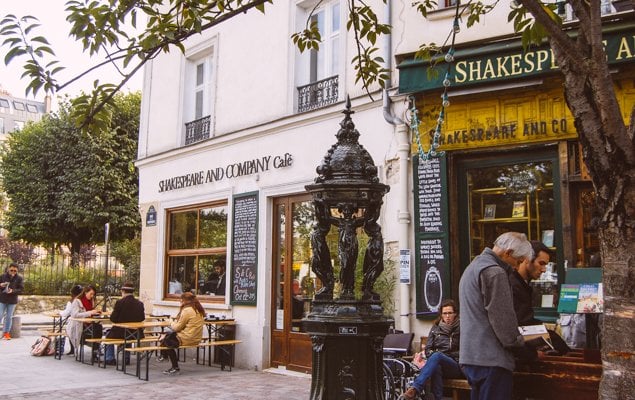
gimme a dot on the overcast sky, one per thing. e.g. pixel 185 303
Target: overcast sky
pixel 55 28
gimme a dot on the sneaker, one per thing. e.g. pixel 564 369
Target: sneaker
pixel 410 394
pixel 7 336
pixel 172 371
pixel 160 359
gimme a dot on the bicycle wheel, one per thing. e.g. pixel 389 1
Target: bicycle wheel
pixel 388 384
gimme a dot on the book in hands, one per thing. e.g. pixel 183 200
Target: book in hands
pixel 535 335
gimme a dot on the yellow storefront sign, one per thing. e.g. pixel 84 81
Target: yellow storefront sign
pixel 512 119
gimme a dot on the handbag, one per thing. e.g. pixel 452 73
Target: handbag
pixel 170 340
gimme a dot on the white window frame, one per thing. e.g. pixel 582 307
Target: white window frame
pixel 205 54
pixel 303 60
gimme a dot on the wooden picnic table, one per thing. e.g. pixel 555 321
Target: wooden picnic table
pixel 89 330
pixel 133 333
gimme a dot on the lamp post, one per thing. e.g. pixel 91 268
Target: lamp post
pixel 347 333
pixel 107 237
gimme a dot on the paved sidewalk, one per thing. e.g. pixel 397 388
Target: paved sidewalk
pixel 26 377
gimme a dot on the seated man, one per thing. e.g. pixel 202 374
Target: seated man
pixel 219 268
pixel 127 309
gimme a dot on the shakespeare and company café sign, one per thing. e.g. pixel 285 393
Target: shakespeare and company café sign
pixel 229 171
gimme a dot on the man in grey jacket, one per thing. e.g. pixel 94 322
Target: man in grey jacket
pixel 487 313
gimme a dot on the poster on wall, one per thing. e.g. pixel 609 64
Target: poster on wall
pixel 431 236
pixel 244 268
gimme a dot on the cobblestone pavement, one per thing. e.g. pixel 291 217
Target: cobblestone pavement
pixel 26 377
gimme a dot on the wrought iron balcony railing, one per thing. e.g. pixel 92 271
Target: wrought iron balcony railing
pixel 197 130
pixel 318 94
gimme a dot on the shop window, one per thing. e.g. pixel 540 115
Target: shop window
pixel 197 252
pixel 587 219
pixel 518 197
pixel 198 102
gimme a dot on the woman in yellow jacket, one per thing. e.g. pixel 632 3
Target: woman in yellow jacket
pixel 188 327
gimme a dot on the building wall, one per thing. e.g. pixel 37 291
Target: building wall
pixel 253 117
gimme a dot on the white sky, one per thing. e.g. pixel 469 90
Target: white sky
pixel 55 28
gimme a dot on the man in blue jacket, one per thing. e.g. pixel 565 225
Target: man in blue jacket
pixel 487 313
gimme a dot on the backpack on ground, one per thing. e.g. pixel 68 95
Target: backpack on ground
pixel 43 346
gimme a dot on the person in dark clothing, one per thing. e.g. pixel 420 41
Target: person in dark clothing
pixel 522 292
pixel 11 285
pixel 529 270
pixel 219 268
pixel 126 309
pixel 442 353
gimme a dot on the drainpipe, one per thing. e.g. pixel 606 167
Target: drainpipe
pixel 402 134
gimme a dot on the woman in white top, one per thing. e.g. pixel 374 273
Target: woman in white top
pixel 81 307
pixel 65 314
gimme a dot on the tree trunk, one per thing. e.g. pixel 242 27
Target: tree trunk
pixel 609 153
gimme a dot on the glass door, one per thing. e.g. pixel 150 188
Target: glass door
pixel 294 284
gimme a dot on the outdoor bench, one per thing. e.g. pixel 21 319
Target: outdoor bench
pixel 551 378
pixel 117 342
pixel 145 352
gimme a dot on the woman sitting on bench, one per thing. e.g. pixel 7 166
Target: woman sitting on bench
pixel 188 327
pixel 442 353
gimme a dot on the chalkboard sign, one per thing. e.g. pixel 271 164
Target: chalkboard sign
pixel 430 196
pixel 431 235
pixel 244 249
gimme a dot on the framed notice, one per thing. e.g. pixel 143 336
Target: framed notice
pixel 518 210
pixel 547 237
pixel 490 211
pixel 244 258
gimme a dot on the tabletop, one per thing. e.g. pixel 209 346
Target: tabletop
pixel 141 325
pixel 91 319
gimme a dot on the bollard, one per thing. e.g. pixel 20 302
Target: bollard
pixel 16 326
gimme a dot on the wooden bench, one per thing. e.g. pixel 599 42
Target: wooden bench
pixel 552 378
pixel 114 342
pixel 145 352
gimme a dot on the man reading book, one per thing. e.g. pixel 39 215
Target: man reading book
pixel 522 292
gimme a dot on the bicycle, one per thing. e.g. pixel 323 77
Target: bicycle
pixel 398 372
pixel 107 300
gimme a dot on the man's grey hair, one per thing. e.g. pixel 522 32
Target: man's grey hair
pixel 516 242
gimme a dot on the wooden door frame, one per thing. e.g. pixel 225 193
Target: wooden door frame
pixel 286 334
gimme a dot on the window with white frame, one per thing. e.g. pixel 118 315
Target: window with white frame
pixel 198 103
pixel 18 125
pixel 318 71
pixel 324 63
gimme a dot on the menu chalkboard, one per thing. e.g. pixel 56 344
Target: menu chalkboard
pixel 429 193
pixel 431 234
pixel 244 249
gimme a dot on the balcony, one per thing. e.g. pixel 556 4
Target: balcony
pixel 318 94
pixel 197 130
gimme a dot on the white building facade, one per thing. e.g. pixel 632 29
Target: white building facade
pixel 231 132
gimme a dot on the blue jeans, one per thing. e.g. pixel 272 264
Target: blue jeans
pixel 437 367
pixel 489 383
pixel 7 311
pixel 109 355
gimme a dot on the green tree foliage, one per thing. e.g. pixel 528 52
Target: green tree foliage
pixel 64 184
